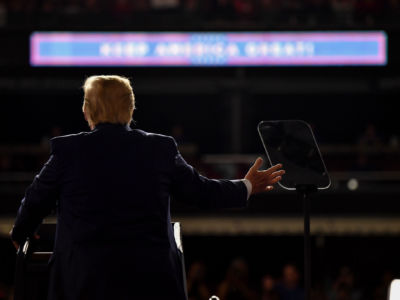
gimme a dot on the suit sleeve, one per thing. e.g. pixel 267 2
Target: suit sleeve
pixel 191 187
pixel 40 199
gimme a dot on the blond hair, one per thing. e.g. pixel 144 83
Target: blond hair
pixel 108 99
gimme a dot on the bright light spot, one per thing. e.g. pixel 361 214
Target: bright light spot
pixel 352 184
pixel 105 49
pixel 251 49
pixel 276 49
pixel 394 292
pixel 289 49
pixel 232 50
pixel 117 49
pixel 142 49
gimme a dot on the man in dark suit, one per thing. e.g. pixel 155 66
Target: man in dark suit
pixel 111 188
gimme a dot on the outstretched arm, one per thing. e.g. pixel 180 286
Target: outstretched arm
pixel 189 186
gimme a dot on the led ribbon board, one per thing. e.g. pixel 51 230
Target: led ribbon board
pixel 208 49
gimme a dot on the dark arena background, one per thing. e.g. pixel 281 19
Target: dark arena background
pixel 212 107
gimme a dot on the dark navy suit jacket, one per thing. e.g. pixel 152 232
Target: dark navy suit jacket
pixel 111 188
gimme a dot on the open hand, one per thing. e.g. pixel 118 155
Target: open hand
pixel 263 180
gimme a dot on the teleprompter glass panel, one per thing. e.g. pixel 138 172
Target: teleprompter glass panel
pixel 292 143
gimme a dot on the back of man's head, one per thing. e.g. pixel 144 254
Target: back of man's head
pixel 108 99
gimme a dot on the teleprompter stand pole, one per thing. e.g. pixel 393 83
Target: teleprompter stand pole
pixel 303 192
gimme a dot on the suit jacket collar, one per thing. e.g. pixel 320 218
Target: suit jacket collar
pixel 102 126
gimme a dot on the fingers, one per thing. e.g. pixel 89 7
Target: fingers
pixel 275 180
pixel 259 161
pixel 270 179
pixel 274 168
pixel 257 164
pixel 269 176
pixel 278 173
pixel 263 180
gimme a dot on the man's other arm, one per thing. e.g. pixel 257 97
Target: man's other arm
pixel 40 198
pixel 189 186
